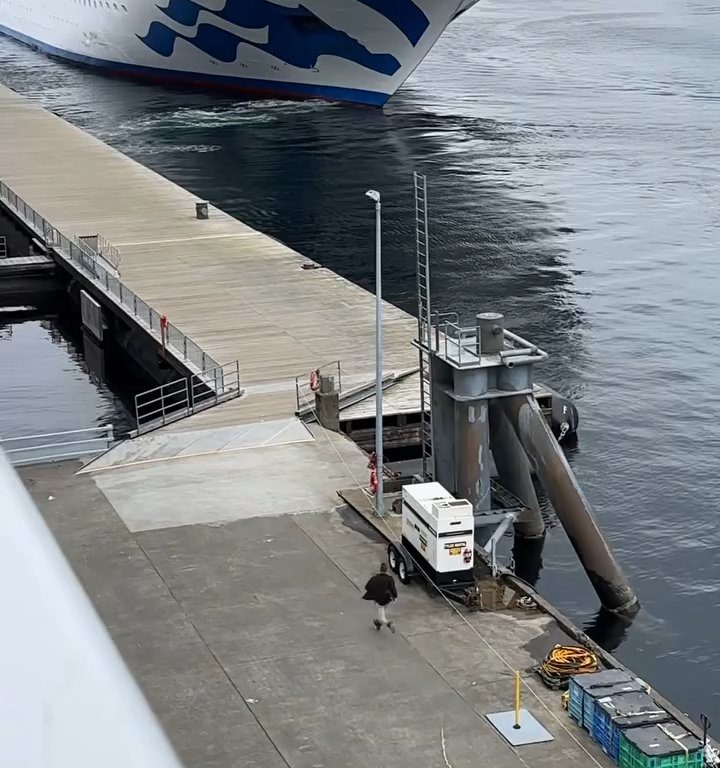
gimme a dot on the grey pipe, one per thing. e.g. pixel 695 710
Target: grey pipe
pixel 518 339
pixel 518 352
pixel 509 363
pixel 514 471
pixel 570 504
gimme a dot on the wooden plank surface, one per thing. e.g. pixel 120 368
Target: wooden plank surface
pixel 237 293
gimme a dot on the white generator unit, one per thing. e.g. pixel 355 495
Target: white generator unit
pixel 438 533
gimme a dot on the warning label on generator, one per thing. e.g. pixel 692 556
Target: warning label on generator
pixel 455 548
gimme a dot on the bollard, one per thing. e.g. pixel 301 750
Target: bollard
pixel 517 701
pixel 202 210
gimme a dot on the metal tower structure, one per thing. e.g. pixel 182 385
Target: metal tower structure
pixel 424 313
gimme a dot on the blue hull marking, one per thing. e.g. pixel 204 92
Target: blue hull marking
pixel 295 35
pixel 404 14
pixel 199 80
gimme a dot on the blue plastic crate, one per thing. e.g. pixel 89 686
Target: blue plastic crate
pixel 616 713
pixel 584 689
pixel 575 711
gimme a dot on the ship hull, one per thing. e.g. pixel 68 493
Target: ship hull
pixel 348 50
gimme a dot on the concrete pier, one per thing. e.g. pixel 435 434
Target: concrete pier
pixel 239 294
pixel 248 635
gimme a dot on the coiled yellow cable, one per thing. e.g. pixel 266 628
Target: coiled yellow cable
pixel 564 661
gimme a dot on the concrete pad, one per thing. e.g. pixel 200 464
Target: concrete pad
pixel 164 446
pixel 521 731
pixel 225 486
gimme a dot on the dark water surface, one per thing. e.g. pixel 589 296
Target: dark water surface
pixel 46 385
pixel 573 156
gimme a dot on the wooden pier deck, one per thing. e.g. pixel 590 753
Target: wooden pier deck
pixel 239 294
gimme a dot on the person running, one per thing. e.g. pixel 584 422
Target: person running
pixel 381 590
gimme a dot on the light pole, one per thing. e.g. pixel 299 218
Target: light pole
pixel 379 502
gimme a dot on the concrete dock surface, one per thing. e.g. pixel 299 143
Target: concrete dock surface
pixel 239 611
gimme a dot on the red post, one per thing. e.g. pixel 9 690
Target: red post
pixel 163 331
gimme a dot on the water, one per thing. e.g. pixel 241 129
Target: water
pixel 46 386
pixel 573 156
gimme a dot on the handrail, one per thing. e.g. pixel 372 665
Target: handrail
pixel 180 398
pixel 44 451
pixel 85 260
pixel 95 255
pixel 56 434
pixel 460 345
pixel 304 391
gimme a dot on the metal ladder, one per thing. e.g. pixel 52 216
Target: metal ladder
pixel 422 267
pixel 3 247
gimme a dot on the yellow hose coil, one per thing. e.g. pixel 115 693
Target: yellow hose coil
pixel 564 661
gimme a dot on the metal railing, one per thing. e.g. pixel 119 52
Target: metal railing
pixel 86 261
pixel 183 397
pixel 108 252
pixel 95 255
pixel 57 446
pixel 461 345
pixel 304 392
pixel 162 405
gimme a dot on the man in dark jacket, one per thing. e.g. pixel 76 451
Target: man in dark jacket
pixel 381 590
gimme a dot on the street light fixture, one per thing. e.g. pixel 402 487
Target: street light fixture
pixel 379 501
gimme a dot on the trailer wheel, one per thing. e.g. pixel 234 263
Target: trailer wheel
pixel 402 571
pixel 393 557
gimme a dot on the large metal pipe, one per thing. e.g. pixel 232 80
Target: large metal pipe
pixel 517 352
pixel 570 504
pixel 519 340
pixel 527 558
pixel 522 360
pixel 514 471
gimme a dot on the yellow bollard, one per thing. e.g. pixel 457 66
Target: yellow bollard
pixel 517 701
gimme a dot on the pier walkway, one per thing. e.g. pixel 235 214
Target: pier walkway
pixel 239 294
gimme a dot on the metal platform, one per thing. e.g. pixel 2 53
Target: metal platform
pixel 26 266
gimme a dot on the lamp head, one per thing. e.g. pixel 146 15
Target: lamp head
pixel 373 195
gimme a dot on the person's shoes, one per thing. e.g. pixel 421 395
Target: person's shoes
pixel 377 624
pixel 391 626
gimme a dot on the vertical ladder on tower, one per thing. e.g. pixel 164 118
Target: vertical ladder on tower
pixel 422 266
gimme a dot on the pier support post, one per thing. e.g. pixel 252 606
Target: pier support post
pixel 327 404
pixel 570 504
pixel 514 472
pixel 472 451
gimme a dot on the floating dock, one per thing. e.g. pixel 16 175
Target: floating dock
pixel 218 554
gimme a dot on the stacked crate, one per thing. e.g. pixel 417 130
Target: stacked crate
pixel 586 689
pixel 667 745
pixel 628 724
pixel 620 712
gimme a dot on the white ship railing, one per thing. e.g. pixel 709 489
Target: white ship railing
pixel 70 700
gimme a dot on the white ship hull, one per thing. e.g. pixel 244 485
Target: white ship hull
pixel 350 50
